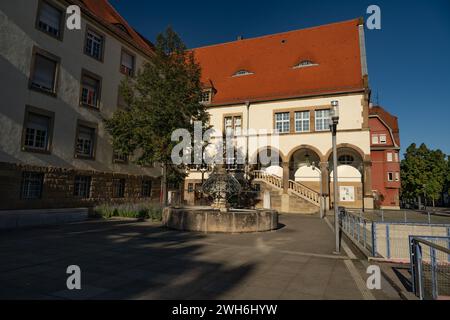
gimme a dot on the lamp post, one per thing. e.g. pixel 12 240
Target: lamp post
pixel 334 115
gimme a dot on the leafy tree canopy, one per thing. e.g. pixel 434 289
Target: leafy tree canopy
pixel 164 96
pixel 424 171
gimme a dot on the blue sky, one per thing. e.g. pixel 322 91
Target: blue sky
pixel 409 58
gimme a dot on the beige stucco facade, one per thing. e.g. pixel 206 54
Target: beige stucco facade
pixel 17 39
pixel 59 166
pixel 353 135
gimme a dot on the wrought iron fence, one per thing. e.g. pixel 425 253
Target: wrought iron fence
pixel 430 267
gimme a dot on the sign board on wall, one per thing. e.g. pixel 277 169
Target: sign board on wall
pixel 347 193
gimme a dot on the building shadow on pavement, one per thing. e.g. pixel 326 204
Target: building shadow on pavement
pixel 118 260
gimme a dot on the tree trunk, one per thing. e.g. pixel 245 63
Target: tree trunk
pixel 164 186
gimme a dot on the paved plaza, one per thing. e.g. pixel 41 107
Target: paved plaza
pixel 124 259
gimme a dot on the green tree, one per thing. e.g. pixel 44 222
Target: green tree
pixel 423 173
pixel 164 96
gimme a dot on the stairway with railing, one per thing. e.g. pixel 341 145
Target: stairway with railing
pixel 294 187
pixel 304 192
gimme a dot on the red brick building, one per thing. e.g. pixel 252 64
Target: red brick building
pixel 385 155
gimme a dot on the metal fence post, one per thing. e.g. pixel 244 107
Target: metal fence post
pixel 374 240
pixel 365 234
pixel 434 283
pixel 413 264
pixel 418 251
pixel 388 242
pixel 359 230
pixel 448 244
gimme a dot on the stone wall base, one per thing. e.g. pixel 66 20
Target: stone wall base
pixel 58 188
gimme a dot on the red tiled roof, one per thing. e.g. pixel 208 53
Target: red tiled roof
pixel 105 12
pixel 335 47
pixel 390 120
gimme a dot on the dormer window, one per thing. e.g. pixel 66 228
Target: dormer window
pixel 121 27
pixel 206 96
pixel 305 64
pixel 241 73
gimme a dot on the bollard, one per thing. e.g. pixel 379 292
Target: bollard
pixel 429 217
pixel 382 215
pixel 406 219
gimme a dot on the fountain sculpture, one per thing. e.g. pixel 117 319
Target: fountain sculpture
pixel 219 217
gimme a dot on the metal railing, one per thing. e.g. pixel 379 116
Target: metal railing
pixel 430 267
pixel 304 192
pixel 295 187
pixel 383 239
pixel 269 178
pixel 360 230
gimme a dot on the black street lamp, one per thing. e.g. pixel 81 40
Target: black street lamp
pixel 334 115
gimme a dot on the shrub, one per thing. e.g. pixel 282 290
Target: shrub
pixel 129 210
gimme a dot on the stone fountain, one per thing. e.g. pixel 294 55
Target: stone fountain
pixel 219 217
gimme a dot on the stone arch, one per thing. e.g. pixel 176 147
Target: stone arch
pixel 254 157
pixel 305 166
pixel 358 150
pixel 306 146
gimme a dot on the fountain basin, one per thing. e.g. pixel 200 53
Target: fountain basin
pixel 206 219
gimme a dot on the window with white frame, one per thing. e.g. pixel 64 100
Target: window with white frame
pixel 44 73
pixel 397 176
pixel 206 96
pixel 127 63
pixel 50 19
pixel 282 122
pixel 32 185
pixel 396 157
pixel 82 187
pixel 90 91
pixel 233 125
pixel 37 132
pixel 375 139
pixel 383 139
pixel 322 120
pixel 390 176
pixel 302 121
pixel 85 141
pixel 94 44
pixel 389 157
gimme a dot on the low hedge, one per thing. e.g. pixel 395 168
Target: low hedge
pixel 129 210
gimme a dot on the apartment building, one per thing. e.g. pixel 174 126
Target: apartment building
pixel 385 152
pixel 286 83
pixel 57 87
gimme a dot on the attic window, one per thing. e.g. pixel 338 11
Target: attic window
pixel 206 96
pixel 122 28
pixel 241 73
pixel 305 63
